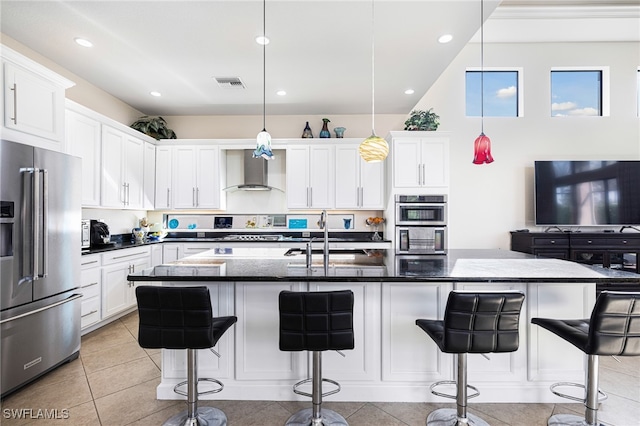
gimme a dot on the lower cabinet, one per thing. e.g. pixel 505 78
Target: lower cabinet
pixel 118 293
pixel 91 288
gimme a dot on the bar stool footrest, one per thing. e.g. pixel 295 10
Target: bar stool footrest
pixel 209 392
pixel 449 417
pixel 305 381
pixel 451 382
pixel 304 418
pixel 601 395
pixel 205 416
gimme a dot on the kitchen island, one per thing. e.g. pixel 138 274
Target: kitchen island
pixel 393 359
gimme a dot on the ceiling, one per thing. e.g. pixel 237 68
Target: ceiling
pixel 320 51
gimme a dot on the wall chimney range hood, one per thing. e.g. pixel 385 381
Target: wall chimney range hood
pixel 255 174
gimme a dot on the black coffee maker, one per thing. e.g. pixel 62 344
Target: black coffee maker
pixel 100 235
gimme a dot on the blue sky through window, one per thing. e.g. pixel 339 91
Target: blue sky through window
pixel 500 93
pixel 576 93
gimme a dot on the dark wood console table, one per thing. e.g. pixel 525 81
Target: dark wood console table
pixel 607 249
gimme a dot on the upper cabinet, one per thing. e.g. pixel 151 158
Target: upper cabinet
pixel 359 185
pixel 197 173
pixel 33 102
pixel 420 159
pixel 149 169
pixel 83 139
pixel 310 176
pixel 164 156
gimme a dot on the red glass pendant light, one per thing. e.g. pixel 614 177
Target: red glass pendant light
pixel 482 144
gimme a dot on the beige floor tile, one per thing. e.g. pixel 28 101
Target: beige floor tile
pixel 81 415
pixel 619 411
pixel 236 410
pixel 131 321
pixel 270 415
pixel 131 404
pixel 159 417
pixel 64 372
pixel 626 364
pixel 620 384
pixel 516 414
pixel 53 397
pixel 411 413
pixel 122 376
pixel 371 415
pixel 157 359
pixel 109 357
pixel 114 334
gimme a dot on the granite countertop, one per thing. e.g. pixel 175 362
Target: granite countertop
pixel 456 266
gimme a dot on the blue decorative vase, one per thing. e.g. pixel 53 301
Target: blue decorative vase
pixel 324 133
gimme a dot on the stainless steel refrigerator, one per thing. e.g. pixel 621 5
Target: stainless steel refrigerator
pixel 39 262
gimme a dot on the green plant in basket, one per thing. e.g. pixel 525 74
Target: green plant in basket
pixel 422 120
pixel 156 127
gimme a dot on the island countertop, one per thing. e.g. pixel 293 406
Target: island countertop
pixel 456 266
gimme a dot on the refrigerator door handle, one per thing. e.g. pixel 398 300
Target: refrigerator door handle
pixel 26 269
pixel 43 237
pixel 44 308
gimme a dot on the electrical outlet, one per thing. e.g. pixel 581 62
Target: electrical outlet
pixel 306 234
pixel 201 234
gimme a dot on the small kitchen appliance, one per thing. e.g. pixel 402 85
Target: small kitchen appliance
pixel 85 234
pixel 100 235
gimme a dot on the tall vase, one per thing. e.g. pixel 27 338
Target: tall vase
pixel 306 133
pixel 324 133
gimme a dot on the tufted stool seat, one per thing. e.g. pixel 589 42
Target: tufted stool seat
pixel 474 322
pixel 316 321
pixel 182 318
pixel 613 329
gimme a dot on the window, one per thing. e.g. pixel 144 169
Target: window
pixel 578 92
pixel 502 97
pixel 638 92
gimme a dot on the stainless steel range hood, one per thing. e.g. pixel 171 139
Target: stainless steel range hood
pixel 255 174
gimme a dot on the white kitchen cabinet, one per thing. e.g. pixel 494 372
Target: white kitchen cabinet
pixel 310 176
pixel 196 177
pixel 122 169
pixel 84 139
pixel 33 102
pixel 163 177
pixel 172 252
pixel 420 159
pixel 149 176
pixel 156 254
pixel 359 185
pixel 118 293
pixel 91 289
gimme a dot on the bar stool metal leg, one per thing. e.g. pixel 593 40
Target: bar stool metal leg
pixel 590 402
pixel 316 416
pixel 194 416
pixel 459 416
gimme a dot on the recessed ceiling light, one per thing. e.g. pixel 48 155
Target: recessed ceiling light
pixel 83 42
pixel 446 38
pixel 281 93
pixel 409 92
pixel 262 40
pixel 156 94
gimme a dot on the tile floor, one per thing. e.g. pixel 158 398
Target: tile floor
pixel 114 380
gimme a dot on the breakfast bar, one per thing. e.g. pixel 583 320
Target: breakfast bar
pixel 392 361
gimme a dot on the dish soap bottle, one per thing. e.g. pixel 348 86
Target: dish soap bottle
pixel 324 133
pixel 306 133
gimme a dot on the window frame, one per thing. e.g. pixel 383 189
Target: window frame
pixel 520 89
pixel 605 90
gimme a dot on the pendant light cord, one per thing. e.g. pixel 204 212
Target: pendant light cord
pixel 264 66
pixel 482 66
pixel 373 67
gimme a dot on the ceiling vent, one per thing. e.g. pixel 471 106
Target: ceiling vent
pixel 230 82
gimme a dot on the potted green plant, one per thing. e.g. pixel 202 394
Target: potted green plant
pixel 422 120
pixel 156 127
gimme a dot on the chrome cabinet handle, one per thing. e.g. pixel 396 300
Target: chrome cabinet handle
pixel 168 196
pixel 310 196
pixel 14 89
pixel 419 176
pixel 89 313
pixel 424 175
pixel 197 196
pixel 193 197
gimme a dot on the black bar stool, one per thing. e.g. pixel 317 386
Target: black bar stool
pixel 474 322
pixel 316 321
pixel 613 329
pixel 182 318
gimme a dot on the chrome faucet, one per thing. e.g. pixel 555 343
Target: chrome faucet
pixel 324 224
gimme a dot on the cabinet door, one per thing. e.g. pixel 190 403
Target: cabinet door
pixel 33 104
pixel 435 160
pixel 184 178
pixel 136 266
pixel 115 289
pixel 347 177
pixel 371 185
pixel 133 172
pixel 113 142
pixel 84 140
pixel 171 252
pixel 321 176
pixel 298 177
pixel 163 177
pixel 208 178
pixel 149 176
pixel 407 167
pixel 156 255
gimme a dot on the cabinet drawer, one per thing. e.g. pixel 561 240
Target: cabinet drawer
pixel 551 241
pixel 91 261
pixel 91 290
pixel 90 312
pixel 621 243
pixel 90 278
pixel 125 255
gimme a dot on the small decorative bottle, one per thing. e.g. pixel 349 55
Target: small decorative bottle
pixel 306 133
pixel 324 133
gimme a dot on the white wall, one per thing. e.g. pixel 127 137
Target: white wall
pixel 487 201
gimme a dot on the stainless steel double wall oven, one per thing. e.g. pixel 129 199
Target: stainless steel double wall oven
pixel 421 224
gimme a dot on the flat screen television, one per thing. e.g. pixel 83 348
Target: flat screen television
pixel 587 193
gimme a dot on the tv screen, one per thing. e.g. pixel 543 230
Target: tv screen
pixel 587 193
